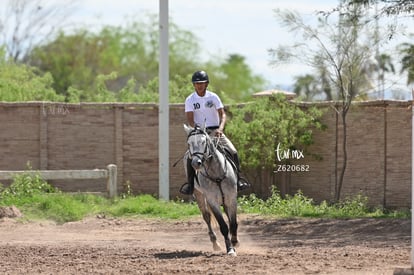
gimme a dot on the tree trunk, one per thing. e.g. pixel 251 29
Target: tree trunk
pixel 340 181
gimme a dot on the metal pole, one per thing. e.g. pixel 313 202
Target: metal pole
pixel 412 179
pixel 163 113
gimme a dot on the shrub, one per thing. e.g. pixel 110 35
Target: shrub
pixel 24 186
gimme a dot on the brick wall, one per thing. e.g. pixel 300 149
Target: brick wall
pixel 379 155
pixel 87 136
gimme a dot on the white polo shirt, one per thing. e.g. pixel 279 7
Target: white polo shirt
pixel 204 108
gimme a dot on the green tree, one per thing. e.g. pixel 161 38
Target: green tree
pixel 338 46
pixel 75 60
pixel 259 127
pixel 19 82
pixel 384 66
pixel 394 9
pixel 72 60
pixel 234 79
pixel 128 56
pixel 306 87
pixel 178 87
pixel 407 60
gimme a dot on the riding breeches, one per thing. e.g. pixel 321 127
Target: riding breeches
pixel 224 141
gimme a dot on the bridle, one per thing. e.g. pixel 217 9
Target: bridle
pixel 202 155
pixel 209 152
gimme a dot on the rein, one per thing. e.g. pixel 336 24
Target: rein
pixel 198 131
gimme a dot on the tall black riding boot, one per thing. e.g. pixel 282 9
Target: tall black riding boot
pixel 236 162
pixel 242 183
pixel 188 187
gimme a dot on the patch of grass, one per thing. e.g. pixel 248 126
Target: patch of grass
pixel 39 200
pixel 300 206
pixel 152 207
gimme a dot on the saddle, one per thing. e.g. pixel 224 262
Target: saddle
pixel 242 183
pixel 229 156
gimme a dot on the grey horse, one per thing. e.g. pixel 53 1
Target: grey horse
pixel 215 186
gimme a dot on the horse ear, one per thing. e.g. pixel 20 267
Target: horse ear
pixel 187 129
pixel 200 127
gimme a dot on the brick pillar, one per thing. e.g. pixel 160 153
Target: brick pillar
pixel 43 154
pixel 119 158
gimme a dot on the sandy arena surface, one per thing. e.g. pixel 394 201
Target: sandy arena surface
pixel 100 245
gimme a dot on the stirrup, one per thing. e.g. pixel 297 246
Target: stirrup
pixel 186 189
pixel 242 184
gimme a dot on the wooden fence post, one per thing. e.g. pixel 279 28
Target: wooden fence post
pixel 112 180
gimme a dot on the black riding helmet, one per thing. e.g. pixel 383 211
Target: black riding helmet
pixel 199 77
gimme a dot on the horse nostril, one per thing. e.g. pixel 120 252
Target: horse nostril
pixel 196 163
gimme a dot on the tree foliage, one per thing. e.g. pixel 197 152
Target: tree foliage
pixel 395 9
pixel 115 63
pixel 338 46
pixel 407 61
pixel 389 7
pixel 234 78
pixel 19 82
pixel 336 49
pixel 75 60
pixel 127 59
pixel 259 127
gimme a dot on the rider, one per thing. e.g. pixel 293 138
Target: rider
pixel 203 107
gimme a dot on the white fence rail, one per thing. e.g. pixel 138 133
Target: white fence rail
pixel 110 174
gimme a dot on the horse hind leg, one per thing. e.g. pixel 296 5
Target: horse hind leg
pixel 213 239
pixel 211 233
pixel 207 215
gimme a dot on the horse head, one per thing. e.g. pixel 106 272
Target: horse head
pixel 199 143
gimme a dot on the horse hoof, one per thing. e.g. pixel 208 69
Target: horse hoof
pixel 216 247
pixel 232 252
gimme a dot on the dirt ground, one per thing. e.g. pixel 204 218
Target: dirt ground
pixel 100 245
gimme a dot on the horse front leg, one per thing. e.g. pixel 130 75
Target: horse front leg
pixel 234 239
pixel 224 229
pixel 232 216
